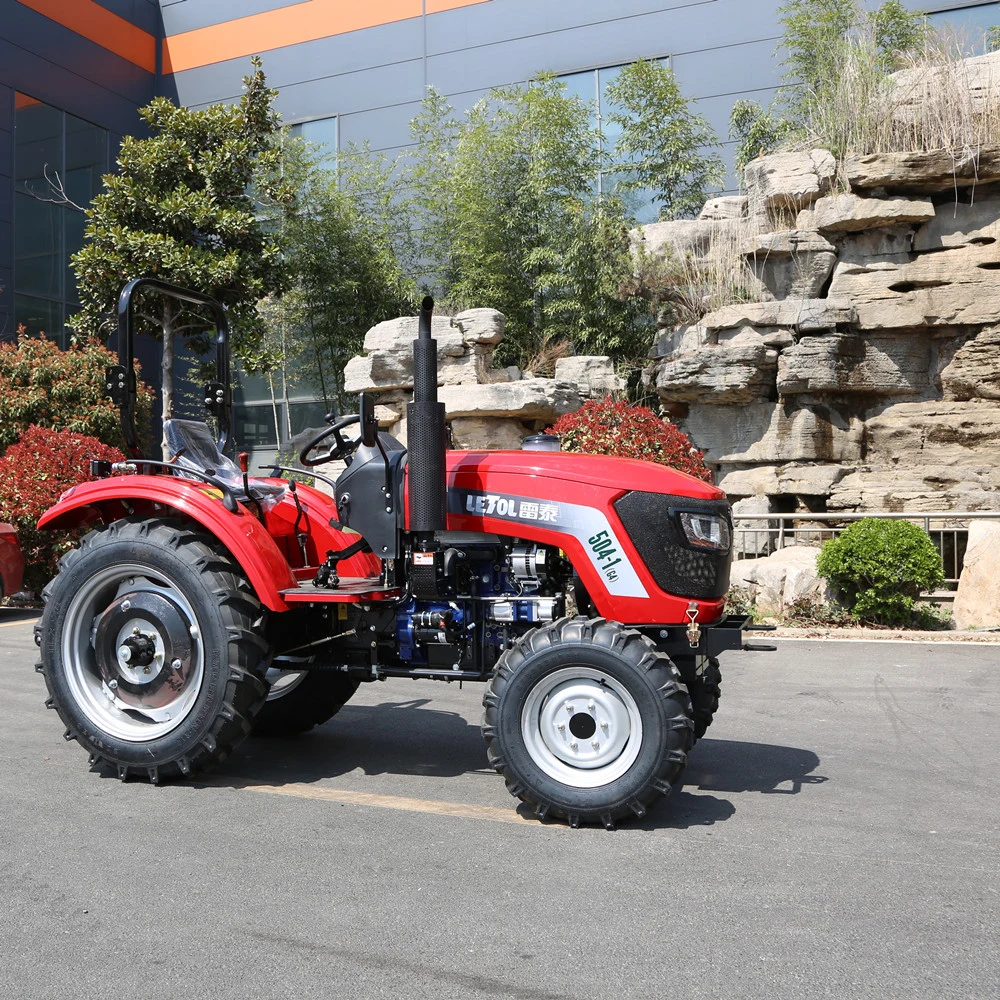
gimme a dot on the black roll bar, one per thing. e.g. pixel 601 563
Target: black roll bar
pixel 121 380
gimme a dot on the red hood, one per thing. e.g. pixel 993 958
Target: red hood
pixel 598 470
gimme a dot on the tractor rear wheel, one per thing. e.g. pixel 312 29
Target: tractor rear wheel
pixel 151 650
pixel 300 699
pixel 587 721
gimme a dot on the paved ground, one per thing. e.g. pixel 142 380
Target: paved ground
pixel 837 837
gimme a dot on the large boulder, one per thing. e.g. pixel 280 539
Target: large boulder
pixel 725 208
pixel 530 399
pixel 934 433
pixel 737 372
pixel 916 489
pixel 974 369
pixel 959 224
pixel 849 213
pixel 802 315
pixel 977 601
pixel 876 365
pixel 924 171
pixel 780 579
pixel 789 181
pixel 465 346
pixel 794 263
pixel 594 376
pixel 776 432
pixel 486 434
pixel 931 289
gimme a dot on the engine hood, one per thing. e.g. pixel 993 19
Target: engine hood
pixel 467 468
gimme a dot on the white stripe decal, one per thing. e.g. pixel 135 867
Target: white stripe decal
pixel 588 525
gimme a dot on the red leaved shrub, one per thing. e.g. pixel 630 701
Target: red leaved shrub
pixel 607 427
pixel 42 384
pixel 34 472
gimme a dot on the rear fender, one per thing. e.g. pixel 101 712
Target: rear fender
pixel 241 534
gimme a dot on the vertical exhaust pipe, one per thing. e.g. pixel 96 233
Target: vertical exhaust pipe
pixel 425 437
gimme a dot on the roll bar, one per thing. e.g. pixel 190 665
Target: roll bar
pixel 121 382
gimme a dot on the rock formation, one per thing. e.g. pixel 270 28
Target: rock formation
pixel 489 408
pixel 867 377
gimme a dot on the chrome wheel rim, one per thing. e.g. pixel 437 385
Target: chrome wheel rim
pixel 581 727
pixel 282 680
pixel 132 674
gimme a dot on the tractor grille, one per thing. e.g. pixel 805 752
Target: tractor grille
pixel 653 526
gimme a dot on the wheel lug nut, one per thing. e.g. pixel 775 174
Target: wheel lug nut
pixel 145 670
pixel 574 745
pixel 596 745
pixel 135 630
pixel 569 708
pixel 591 706
pixel 561 727
pixel 604 726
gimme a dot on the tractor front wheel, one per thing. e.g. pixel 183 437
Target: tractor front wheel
pixel 151 650
pixel 587 721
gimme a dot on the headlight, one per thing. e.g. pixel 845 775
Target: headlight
pixel 705 531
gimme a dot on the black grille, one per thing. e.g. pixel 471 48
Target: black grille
pixel 653 526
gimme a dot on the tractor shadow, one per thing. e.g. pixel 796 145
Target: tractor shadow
pixel 395 737
pixel 737 768
pixel 409 738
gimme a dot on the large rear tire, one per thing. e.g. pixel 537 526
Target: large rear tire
pixel 298 700
pixel 151 650
pixel 587 721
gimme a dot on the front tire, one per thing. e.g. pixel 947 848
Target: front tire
pixel 587 721
pixel 151 650
pixel 705 689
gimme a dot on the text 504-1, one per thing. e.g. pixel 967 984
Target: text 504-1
pixel 603 547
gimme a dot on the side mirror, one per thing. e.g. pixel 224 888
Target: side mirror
pixel 369 424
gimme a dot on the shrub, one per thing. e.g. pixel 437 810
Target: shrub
pixel 34 472
pixel 43 385
pixel 609 427
pixel 880 567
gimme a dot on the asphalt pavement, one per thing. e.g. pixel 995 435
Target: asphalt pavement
pixel 836 836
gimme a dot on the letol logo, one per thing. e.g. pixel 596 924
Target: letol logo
pixel 589 526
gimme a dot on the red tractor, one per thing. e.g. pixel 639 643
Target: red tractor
pixel 206 604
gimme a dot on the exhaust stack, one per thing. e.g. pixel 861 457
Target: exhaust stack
pixel 425 433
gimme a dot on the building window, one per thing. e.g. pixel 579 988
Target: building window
pixel 58 159
pixel 591 86
pixel 324 135
pixel 970 23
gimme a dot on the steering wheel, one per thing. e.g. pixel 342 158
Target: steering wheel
pixel 341 448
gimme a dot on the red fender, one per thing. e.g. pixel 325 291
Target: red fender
pixel 243 536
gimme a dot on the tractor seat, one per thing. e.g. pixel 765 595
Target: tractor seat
pixel 192 443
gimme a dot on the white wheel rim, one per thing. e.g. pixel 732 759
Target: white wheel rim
pixel 282 682
pixel 92 695
pixel 581 727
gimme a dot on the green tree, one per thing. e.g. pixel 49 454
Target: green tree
pixel 663 144
pixel 505 203
pixel 756 131
pixel 347 274
pixel 183 207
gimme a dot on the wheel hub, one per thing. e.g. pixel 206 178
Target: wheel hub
pixel 584 723
pixel 143 649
